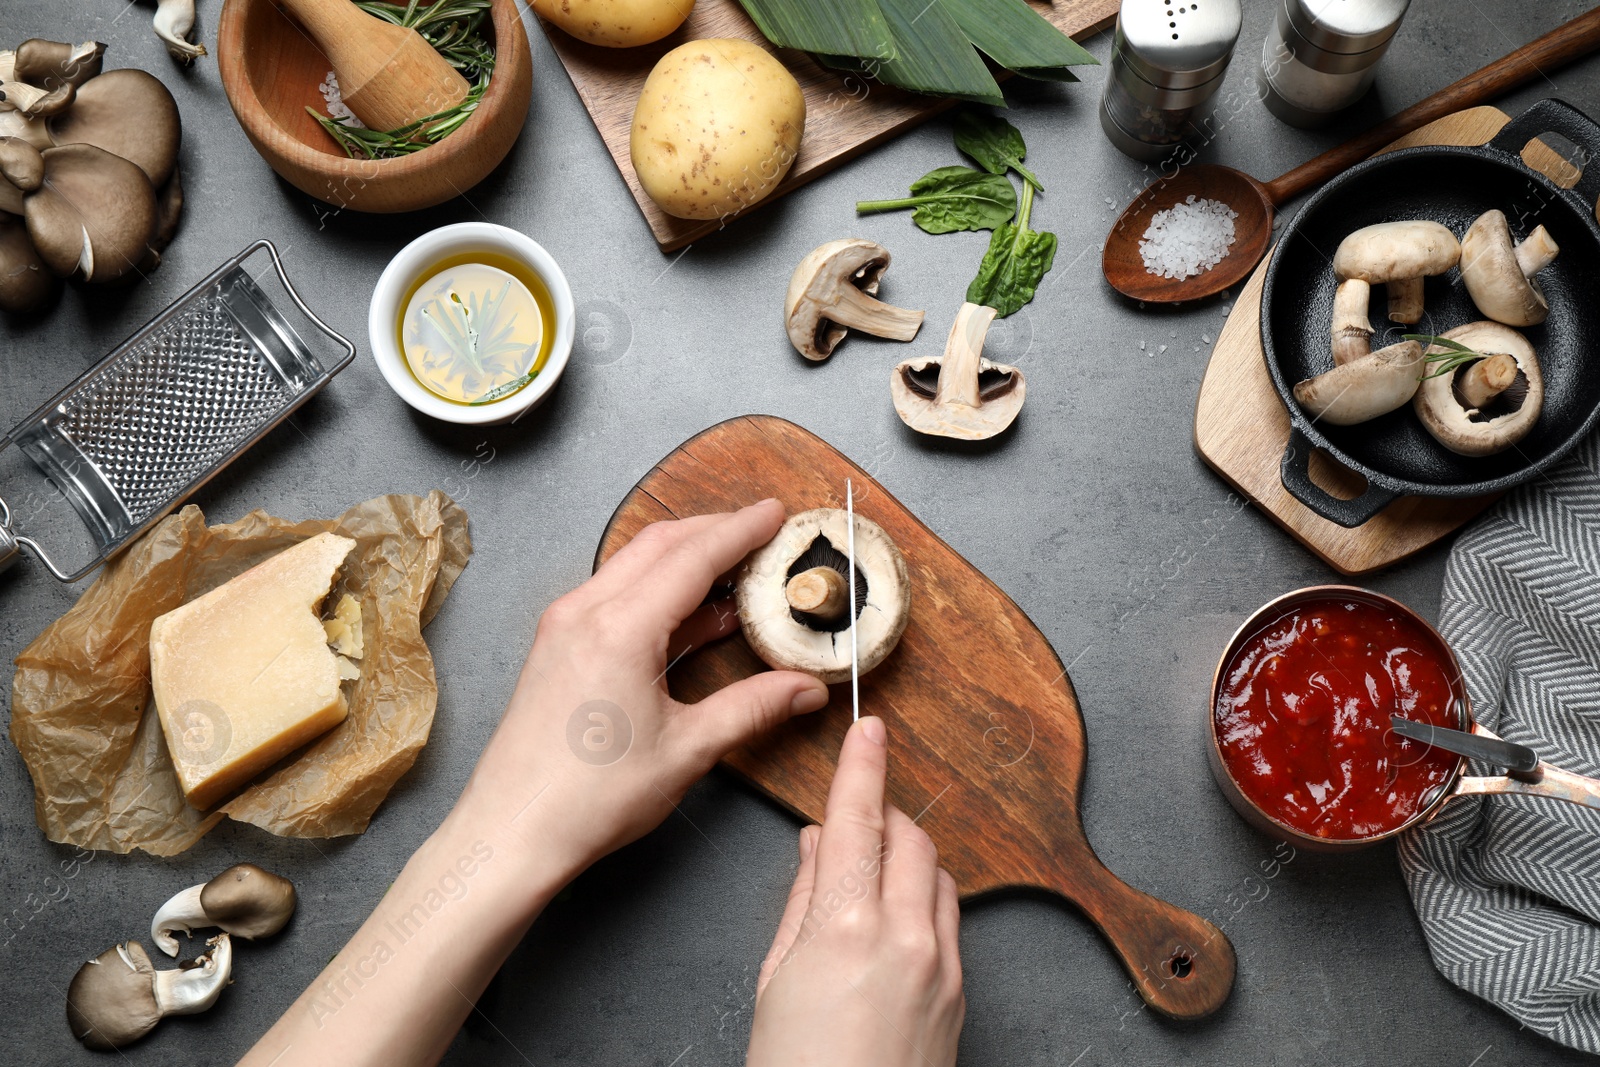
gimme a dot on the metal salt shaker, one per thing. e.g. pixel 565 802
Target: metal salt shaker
pixel 1321 55
pixel 1167 63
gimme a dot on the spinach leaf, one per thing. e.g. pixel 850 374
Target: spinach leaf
pixel 954 198
pixel 993 143
pixel 1015 263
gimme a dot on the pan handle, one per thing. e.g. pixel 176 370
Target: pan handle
pixel 1558 116
pixel 1296 474
pixel 1544 781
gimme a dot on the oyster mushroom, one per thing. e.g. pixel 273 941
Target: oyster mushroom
pixel 34 102
pixel 173 21
pixel 26 285
pixel 93 213
pixel 960 394
pixel 243 900
pixel 128 113
pixel 1481 409
pixel 1365 388
pixel 816 641
pixel 1398 255
pixel 1500 274
pixel 52 64
pixel 34 131
pixel 118 997
pixel 22 169
pixel 832 292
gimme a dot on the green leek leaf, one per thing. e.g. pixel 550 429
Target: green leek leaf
pixel 1016 36
pixel 837 27
pixel 933 54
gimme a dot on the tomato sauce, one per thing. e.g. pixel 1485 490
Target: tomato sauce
pixel 1302 718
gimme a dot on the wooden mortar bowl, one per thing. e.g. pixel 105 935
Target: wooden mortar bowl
pixel 270 70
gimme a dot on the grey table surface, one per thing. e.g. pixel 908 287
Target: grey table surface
pixel 1096 516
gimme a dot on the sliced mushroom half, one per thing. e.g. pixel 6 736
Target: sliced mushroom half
pixel 959 394
pixel 1500 273
pixel 243 900
pixel 118 997
pixel 797 618
pixel 1481 408
pixel 832 292
pixel 1363 389
pixel 1398 255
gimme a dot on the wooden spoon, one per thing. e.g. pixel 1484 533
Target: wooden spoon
pixel 388 75
pixel 1255 201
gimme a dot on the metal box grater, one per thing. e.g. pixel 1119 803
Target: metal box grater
pixel 169 408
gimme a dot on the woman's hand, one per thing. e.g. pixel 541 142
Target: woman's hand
pixel 592 753
pixel 866 968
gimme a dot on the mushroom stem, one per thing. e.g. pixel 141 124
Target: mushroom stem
pixel 821 592
pixel 859 311
pixel 1405 300
pixel 963 355
pixel 182 912
pixel 173 21
pixel 1487 379
pixel 1536 251
pixel 190 990
pixel 1352 330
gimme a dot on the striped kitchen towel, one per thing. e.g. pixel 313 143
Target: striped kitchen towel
pixel 1508 888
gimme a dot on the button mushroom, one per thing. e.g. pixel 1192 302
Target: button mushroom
pixel 94 212
pixel 1398 255
pixel 1363 389
pixel 1482 406
pixel 832 291
pixel 243 900
pixel 128 113
pixel 52 64
pixel 797 618
pixel 118 997
pixel 960 394
pixel 1499 274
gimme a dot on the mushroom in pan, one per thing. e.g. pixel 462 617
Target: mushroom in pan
pixel 52 64
pixel 960 394
pixel 1396 254
pixel 793 596
pixel 243 900
pixel 1483 406
pixel 832 291
pixel 1376 384
pixel 93 213
pixel 118 997
pixel 1500 274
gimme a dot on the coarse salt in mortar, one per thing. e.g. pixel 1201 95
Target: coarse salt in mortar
pixel 1188 238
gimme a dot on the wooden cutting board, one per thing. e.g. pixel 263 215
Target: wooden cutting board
pixel 845 114
pixel 986 741
pixel 1241 427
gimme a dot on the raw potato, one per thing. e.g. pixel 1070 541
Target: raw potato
pixel 616 23
pixel 716 128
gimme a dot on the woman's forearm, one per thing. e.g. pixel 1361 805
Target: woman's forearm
pixel 401 987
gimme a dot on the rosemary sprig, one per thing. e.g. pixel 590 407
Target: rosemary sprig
pixel 1457 355
pixel 452 27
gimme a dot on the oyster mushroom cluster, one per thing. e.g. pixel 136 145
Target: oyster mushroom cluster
pixel 1477 388
pixel 89 181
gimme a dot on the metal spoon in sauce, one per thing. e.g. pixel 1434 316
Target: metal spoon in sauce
pixel 1513 757
pixel 1255 201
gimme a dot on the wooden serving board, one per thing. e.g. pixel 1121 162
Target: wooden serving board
pixel 1241 427
pixel 845 114
pixel 986 741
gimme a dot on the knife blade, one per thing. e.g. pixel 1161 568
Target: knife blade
pixel 1506 754
pixel 855 657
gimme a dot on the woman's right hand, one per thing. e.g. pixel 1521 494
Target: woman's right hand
pixel 865 970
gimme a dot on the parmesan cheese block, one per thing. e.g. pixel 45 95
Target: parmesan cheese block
pixel 243 675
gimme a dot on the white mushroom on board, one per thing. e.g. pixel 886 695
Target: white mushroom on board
pixel 833 290
pixel 959 394
pixel 1480 406
pixel 1396 254
pixel 243 900
pixel 118 997
pixel 792 613
pixel 1500 274
pixel 1365 388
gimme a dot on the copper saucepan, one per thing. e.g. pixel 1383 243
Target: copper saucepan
pixel 1543 781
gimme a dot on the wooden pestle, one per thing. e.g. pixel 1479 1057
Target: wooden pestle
pixel 388 75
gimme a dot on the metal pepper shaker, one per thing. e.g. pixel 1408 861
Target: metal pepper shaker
pixel 1167 63
pixel 1321 55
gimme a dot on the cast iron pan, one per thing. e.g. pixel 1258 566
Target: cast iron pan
pixel 1453 186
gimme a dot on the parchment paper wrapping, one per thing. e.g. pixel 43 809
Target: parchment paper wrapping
pixel 83 717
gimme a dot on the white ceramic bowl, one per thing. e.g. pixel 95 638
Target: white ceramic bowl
pixel 429 249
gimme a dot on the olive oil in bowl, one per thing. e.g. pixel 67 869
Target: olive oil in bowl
pixel 476 327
